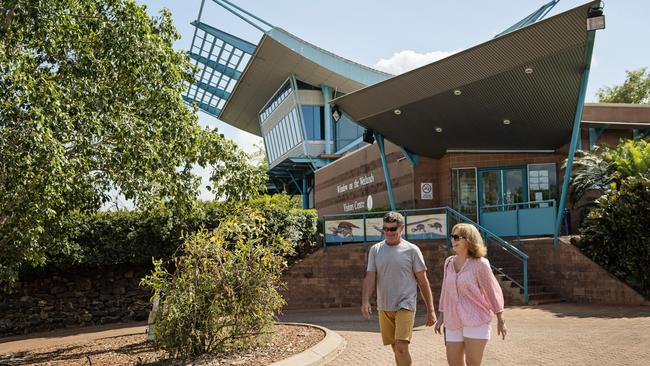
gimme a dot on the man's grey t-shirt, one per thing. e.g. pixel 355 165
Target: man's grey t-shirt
pixel 396 265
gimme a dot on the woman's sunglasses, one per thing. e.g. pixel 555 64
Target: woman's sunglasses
pixel 457 237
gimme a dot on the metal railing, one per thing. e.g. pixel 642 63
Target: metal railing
pixel 505 258
pixel 520 219
pixel 420 224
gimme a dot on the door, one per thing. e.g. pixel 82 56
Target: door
pixel 499 189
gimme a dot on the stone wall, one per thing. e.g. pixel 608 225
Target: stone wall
pixel 61 299
pixel 575 277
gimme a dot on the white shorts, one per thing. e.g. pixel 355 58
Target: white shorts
pixel 478 332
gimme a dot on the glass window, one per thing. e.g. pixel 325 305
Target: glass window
pixel 347 131
pixel 314 122
pixel 542 182
pixel 463 192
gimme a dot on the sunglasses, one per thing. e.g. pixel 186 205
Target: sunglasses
pixel 457 237
pixel 391 229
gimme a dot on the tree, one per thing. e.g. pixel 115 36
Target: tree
pixel 604 168
pixel 635 89
pixel 90 99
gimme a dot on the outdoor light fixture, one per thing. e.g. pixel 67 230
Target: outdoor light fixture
pixel 595 17
pixel 457 92
pixel 506 122
pixel 368 136
pixel 438 129
pixel 528 70
pixel 336 113
pixel 397 112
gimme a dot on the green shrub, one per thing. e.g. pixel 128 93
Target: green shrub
pixel 134 237
pixel 616 233
pixel 224 293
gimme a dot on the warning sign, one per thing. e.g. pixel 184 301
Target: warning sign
pixel 426 190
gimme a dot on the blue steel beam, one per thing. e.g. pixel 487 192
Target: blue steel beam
pixel 575 135
pixel 226 37
pixel 245 12
pixel 382 154
pixel 305 193
pixel 327 114
pixel 350 145
pixel 228 71
pixel 411 157
pixel 220 93
pixel 213 111
pixel 594 134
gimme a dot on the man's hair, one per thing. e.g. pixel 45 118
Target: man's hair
pixel 394 217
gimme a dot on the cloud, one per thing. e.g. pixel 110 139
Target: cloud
pixel 407 60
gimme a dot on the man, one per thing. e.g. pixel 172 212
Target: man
pixel 397 267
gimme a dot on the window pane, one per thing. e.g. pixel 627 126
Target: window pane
pixel 463 191
pixel 542 182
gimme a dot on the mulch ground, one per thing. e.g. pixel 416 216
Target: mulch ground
pixel 287 340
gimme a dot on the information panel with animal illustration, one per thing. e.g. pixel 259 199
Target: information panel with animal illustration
pixel 426 226
pixel 344 231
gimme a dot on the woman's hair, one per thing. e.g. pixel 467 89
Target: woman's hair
pixel 476 248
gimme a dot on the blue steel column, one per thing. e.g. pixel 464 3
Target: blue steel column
pixel 575 135
pixel 389 187
pixel 327 114
pixel 305 195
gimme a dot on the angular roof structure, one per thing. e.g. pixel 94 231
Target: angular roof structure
pixel 278 55
pixel 517 91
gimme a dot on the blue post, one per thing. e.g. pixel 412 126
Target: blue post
pixel 591 35
pixel 305 195
pixel 526 281
pixel 327 114
pixel 389 187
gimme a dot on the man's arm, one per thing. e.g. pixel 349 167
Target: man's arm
pixel 369 284
pixel 423 283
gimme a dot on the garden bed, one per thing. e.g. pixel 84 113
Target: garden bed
pixel 287 340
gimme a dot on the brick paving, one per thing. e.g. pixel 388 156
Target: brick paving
pixel 554 334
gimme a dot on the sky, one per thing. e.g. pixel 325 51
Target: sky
pixel 397 36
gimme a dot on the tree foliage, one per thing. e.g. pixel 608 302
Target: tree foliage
pixel 223 295
pixel 90 100
pixel 134 237
pixel 604 168
pixel 616 233
pixel 635 89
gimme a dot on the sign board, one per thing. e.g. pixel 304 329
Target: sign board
pixel 426 191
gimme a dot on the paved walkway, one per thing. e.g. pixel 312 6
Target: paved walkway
pixel 557 334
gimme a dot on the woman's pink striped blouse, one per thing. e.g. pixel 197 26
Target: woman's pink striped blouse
pixel 467 297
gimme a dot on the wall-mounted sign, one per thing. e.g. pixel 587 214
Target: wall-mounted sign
pixel 427 226
pixel 344 230
pixel 355 183
pixel 426 191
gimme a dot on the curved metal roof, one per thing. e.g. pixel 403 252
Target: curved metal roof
pixel 494 86
pixel 278 55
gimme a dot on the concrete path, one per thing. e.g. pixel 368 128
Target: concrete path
pixel 557 334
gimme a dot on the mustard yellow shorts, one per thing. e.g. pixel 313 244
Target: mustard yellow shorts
pixel 396 325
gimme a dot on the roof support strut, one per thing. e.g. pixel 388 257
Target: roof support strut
pixel 411 157
pixel 382 154
pixel 327 114
pixel 575 135
pixel 594 134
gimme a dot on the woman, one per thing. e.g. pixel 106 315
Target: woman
pixel 470 293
